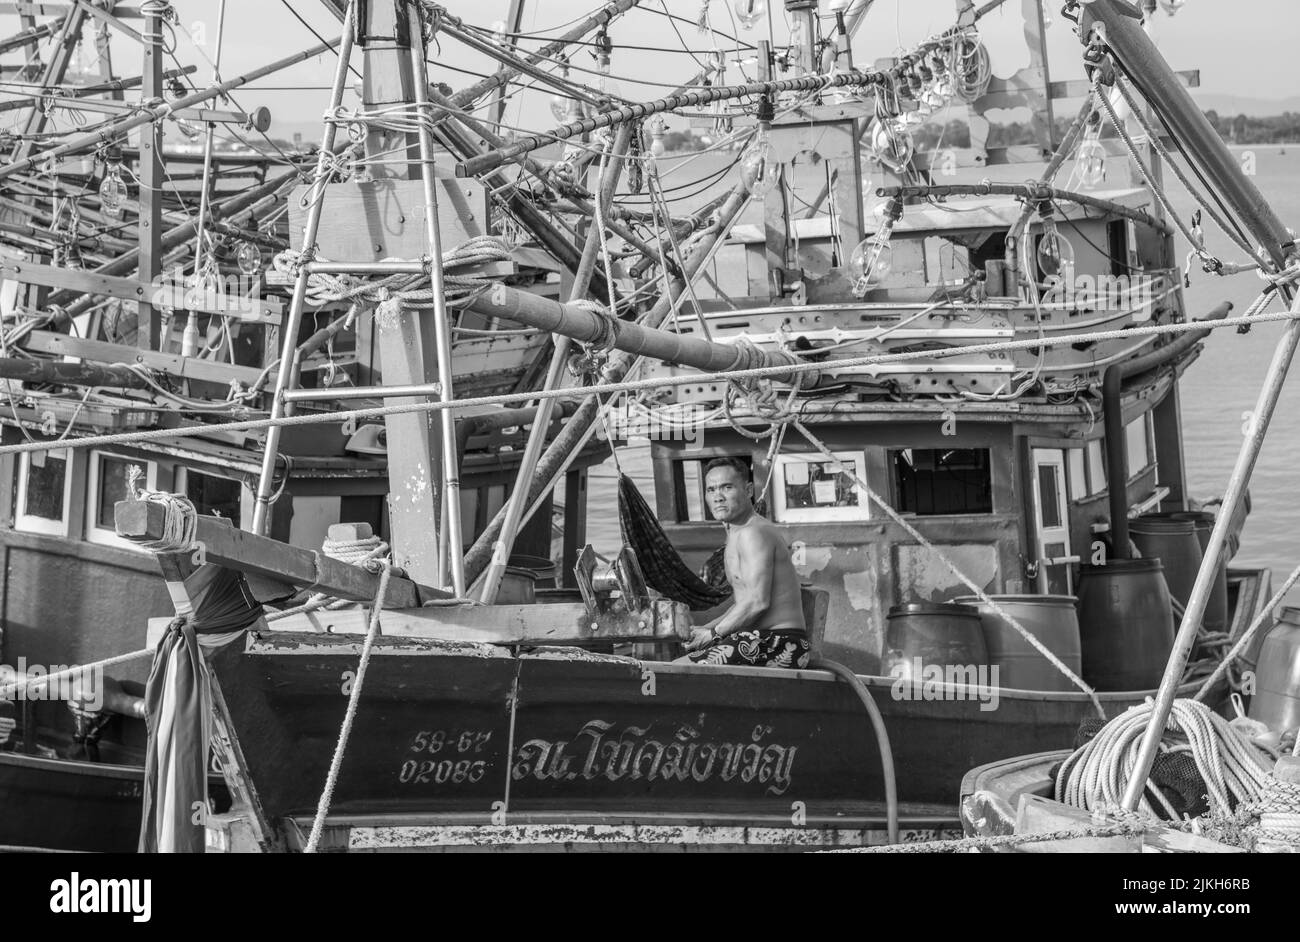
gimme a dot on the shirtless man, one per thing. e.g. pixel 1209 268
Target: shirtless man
pixel 764 626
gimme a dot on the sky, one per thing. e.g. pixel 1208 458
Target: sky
pixel 1242 47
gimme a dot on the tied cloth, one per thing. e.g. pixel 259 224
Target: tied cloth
pixel 178 710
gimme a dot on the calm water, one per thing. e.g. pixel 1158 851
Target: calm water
pixel 1216 390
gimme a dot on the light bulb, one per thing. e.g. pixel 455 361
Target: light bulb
pixel 871 261
pixel 499 33
pixel 560 108
pixel 797 33
pixel 1047 14
pixel 609 88
pixel 757 168
pixel 1055 253
pixel 112 192
pixel 890 143
pixel 749 12
pixel 1091 161
pixel 249 258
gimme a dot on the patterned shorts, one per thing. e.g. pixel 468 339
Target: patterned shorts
pixel 757 649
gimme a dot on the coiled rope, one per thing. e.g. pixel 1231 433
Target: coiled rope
pixel 1233 769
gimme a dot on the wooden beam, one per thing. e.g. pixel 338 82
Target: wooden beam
pixel 88 282
pixel 566 623
pixel 141 521
pixel 208 371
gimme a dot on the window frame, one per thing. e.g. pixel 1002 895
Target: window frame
pixel 28 523
pixel 784 514
pixel 104 536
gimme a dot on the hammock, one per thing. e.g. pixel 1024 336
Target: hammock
pixel 664 569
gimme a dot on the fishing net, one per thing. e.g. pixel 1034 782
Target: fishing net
pixel 664 570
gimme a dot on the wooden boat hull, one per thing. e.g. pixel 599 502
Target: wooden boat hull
pixel 468 734
pixel 62 804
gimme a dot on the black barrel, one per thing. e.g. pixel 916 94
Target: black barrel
pixel 1126 625
pixel 925 633
pixel 1216 607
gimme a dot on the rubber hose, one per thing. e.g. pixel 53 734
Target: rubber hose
pixel 882 737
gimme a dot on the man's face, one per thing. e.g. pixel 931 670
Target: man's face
pixel 729 494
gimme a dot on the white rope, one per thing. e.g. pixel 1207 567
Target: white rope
pixel 336 763
pixel 364 553
pixel 29 683
pixel 317 418
pixel 180 518
pixel 1096 774
pixel 966 580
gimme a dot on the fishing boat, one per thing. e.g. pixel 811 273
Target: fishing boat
pixel 968 397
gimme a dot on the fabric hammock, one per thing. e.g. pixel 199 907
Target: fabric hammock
pixel 178 712
pixel 664 570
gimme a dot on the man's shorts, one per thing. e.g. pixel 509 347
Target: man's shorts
pixel 778 648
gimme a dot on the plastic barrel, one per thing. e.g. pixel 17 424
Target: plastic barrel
pixel 1052 619
pixel 1277 675
pixel 920 634
pixel 1216 607
pixel 1126 626
pixel 1174 543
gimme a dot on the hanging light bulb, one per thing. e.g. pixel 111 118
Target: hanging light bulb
pixel 656 140
pixel 499 33
pixel 891 144
pixel 112 191
pixel 604 82
pixel 249 257
pixel 749 12
pixel 560 104
pixel 758 168
pixel 872 258
pixel 1091 160
pixel 1055 253
pixel 1047 14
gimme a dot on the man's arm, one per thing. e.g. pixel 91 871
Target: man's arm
pixel 751 587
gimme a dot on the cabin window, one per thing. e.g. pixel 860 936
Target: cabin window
pixel 1137 437
pixel 211 494
pixel 811 488
pixel 108 484
pixel 312 518
pixel 1078 473
pixel 943 480
pixel 688 488
pixel 1096 467
pixel 44 492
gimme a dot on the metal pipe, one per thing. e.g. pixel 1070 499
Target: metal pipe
pixel 157 112
pixel 293 319
pixel 205 187
pixel 366 268
pixel 554 375
pixel 1158 83
pixel 1113 419
pixel 495 158
pixel 441 317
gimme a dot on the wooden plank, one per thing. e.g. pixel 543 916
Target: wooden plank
pixel 555 623
pixel 209 371
pixel 224 545
pixel 245 309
